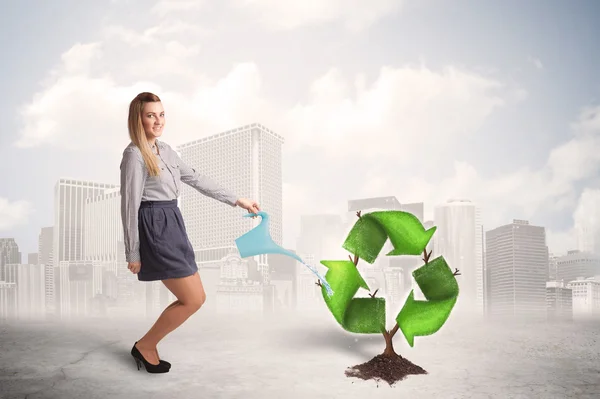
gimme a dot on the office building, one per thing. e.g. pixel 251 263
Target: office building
pixel 559 301
pixel 577 263
pixel 29 282
pixel 586 298
pixel 103 227
pixel 236 292
pixel 9 254
pixel 8 300
pixel 587 224
pixel 517 259
pixel 552 267
pixel 32 258
pixel 79 283
pixel 321 238
pixel 246 160
pixel 45 248
pixel 70 198
pixel 284 278
pixel 459 239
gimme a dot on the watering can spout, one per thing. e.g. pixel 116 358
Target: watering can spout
pixel 258 241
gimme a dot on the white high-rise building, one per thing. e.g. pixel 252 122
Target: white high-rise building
pixel 8 300
pixel 246 160
pixel 32 258
pixel 9 254
pixel 552 267
pixel 517 263
pixel 80 282
pixel 321 238
pixel 30 289
pixel 459 239
pixel 577 264
pixel 559 301
pixel 103 227
pixel 69 224
pixel 70 197
pixel 586 297
pixel 587 222
pixel 45 247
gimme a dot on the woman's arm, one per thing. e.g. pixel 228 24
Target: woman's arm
pixel 204 184
pixel 133 178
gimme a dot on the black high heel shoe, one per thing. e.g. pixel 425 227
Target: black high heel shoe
pixel 160 360
pixel 151 368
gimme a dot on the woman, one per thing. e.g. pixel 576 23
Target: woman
pixel 156 242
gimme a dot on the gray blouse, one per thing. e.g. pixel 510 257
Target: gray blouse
pixel 137 185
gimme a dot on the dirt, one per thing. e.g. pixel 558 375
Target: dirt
pixel 385 367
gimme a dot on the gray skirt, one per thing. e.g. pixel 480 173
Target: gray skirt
pixel 165 250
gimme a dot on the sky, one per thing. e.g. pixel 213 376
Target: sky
pixel 497 102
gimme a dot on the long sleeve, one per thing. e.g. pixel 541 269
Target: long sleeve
pixel 133 178
pixel 204 184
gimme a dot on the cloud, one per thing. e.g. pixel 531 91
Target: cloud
pixel 82 112
pixel 395 134
pixel 165 7
pixel 163 30
pixel 403 109
pixel 13 214
pixel 535 62
pixel 524 192
pixel 356 15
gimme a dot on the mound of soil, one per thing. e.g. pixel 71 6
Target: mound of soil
pixel 384 367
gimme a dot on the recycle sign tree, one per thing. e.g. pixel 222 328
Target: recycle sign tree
pixel 367 315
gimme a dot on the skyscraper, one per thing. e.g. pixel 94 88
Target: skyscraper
pixel 103 228
pixel 69 217
pixel 45 248
pixel 9 254
pixel 552 267
pixel 459 239
pixel 32 258
pixel 577 264
pixel 517 260
pixel 29 281
pixel 69 223
pixel 321 238
pixel 246 160
pixel 587 223
pixel 559 300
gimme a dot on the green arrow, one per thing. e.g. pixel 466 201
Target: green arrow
pixel 357 315
pixel 439 286
pixel 370 232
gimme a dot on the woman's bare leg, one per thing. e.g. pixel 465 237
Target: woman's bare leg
pixel 190 297
pixel 168 307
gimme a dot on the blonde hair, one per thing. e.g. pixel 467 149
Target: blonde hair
pixel 137 133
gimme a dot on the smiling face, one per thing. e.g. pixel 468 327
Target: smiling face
pixel 153 120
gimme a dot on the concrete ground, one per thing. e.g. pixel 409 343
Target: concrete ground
pixel 300 356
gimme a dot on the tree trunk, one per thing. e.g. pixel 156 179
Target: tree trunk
pixel 389 346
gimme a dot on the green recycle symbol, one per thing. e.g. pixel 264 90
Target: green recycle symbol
pixel 435 279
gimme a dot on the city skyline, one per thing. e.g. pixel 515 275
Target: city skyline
pixel 89 229
pixel 87 264
pixel 480 118
pixel 110 190
pixel 438 114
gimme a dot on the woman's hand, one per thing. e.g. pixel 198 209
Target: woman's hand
pixel 249 205
pixel 134 267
